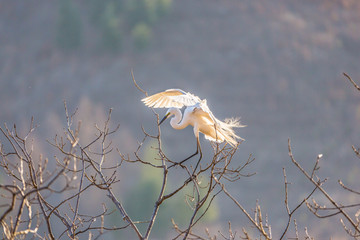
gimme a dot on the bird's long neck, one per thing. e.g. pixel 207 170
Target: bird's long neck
pixel 175 121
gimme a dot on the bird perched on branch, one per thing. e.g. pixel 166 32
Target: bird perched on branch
pixel 196 114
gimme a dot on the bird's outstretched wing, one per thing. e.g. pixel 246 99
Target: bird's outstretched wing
pixel 211 127
pixel 171 98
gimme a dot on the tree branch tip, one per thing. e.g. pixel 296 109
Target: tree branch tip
pixel 136 85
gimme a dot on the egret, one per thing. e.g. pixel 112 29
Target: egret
pixel 196 114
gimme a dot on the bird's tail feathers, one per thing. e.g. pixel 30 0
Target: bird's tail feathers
pixel 234 122
pixel 226 129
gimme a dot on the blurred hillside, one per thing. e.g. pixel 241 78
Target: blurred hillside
pixel 276 64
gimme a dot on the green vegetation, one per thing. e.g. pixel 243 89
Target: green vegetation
pixel 111 20
pixel 110 28
pixel 69 28
pixel 163 7
pixel 141 35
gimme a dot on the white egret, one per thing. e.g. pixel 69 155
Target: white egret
pixel 196 114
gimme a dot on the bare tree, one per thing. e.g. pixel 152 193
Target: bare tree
pixel 42 195
pixel 28 199
pixel 41 198
pixel 347 213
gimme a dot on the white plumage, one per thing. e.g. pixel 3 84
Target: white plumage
pixel 196 114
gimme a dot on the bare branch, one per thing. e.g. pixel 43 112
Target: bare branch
pixel 352 81
pixel 318 185
pixel 136 85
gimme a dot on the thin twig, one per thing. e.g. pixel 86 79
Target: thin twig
pixel 352 81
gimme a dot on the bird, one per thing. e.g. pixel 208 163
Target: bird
pixel 196 114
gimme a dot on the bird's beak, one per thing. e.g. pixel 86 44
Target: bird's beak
pixel 164 118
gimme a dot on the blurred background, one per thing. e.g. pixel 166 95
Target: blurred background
pixel 276 64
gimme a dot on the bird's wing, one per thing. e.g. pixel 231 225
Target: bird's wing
pixel 209 125
pixel 171 98
pixel 203 110
pixel 224 130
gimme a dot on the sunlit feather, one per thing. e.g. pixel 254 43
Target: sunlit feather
pixel 200 115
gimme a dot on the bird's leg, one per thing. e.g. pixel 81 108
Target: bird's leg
pixel 198 148
pixel 197 151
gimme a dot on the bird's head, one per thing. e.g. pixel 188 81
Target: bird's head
pixel 169 113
